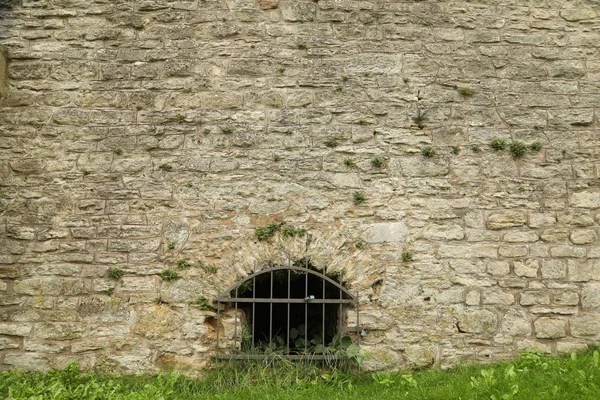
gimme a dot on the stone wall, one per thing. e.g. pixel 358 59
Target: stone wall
pixel 150 134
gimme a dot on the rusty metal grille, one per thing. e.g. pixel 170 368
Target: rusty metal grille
pixel 284 311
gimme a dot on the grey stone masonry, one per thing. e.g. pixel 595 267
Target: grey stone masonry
pixel 442 156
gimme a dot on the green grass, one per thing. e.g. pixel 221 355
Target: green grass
pixel 531 376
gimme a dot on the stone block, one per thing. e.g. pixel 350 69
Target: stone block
pixel 585 326
pixel 527 268
pixel 506 219
pixel 477 321
pixel 534 298
pixel 498 268
pixel 498 296
pixel 444 232
pixel 550 328
pixel 140 284
pixel 589 199
pixel 584 236
pixel 391 232
pixel 553 269
pixel 516 323
pixel 565 298
pixel 590 296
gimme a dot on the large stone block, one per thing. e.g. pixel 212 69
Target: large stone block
pixel 477 321
pixel 391 232
pixel 506 219
pixel 550 328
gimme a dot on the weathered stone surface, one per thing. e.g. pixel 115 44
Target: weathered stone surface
pixel 444 232
pixel 506 219
pixel 585 326
pixel 527 268
pixel 550 328
pixel 391 232
pixel 590 199
pixel 590 296
pixel 516 323
pixel 586 236
pixel 477 321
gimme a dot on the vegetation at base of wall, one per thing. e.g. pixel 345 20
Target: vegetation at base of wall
pixel 169 275
pixel 532 376
pixel 115 273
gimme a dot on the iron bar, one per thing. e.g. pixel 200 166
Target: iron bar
pixel 218 318
pixel 288 308
pixel 306 314
pixel 323 311
pixel 253 309
pixel 235 316
pixel 271 313
pixel 357 316
pixel 267 300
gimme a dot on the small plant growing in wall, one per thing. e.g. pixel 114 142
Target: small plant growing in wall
pixel 476 149
pixel 332 143
pixel 302 46
pixel 169 275
pixel 518 149
pixel 361 244
pixel 359 198
pixel 266 232
pixel 407 256
pixel 165 167
pixel 203 304
pixel 183 264
pixel 536 147
pixel 115 273
pixel 377 162
pixel 428 152
pixel 292 231
pixel 118 151
pixel 465 91
pixel 213 269
pixel 419 118
pixel 349 163
pixel 171 246
pixel 498 144
pixel 227 130
pixel 455 150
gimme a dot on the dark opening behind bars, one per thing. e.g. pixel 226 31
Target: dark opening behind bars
pixel 289 312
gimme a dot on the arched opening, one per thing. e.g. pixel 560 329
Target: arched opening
pixel 290 311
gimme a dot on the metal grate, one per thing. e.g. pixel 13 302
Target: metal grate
pixel 274 300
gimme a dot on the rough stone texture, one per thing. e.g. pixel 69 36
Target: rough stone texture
pixel 134 135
